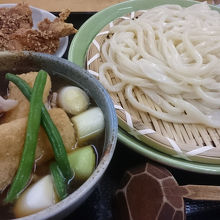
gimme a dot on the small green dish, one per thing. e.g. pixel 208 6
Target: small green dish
pixel 77 54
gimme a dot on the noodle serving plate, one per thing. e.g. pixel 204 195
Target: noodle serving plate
pixel 166 148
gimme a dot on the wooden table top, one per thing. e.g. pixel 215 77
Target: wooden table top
pixel 76 5
pixel 73 5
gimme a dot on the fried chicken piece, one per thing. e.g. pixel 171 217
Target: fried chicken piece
pixel 4 39
pixel 46 39
pixel 12 137
pixel 58 27
pixel 16 31
pixel 33 40
pixel 12 19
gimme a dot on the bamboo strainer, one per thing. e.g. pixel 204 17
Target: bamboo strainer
pixel 188 141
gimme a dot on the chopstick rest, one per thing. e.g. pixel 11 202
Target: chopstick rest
pixel 151 192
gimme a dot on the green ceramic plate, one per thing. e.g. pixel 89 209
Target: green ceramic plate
pixel 77 54
pixel 165 159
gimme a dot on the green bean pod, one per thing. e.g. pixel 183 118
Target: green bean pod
pixel 28 155
pixel 51 130
pixel 58 180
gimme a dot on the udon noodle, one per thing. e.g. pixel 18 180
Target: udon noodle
pixel 171 55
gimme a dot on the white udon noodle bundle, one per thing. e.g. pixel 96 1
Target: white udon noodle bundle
pixel 172 55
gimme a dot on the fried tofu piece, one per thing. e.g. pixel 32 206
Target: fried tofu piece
pixel 22 108
pixel 12 136
pixel 12 139
pixel 65 127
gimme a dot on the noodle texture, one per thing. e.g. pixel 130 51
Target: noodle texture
pixel 171 55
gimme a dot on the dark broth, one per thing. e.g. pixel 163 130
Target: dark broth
pixel 40 171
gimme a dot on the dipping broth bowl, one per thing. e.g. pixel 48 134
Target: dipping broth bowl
pixel 21 62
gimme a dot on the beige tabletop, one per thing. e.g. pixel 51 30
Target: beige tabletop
pixel 73 5
pixel 76 5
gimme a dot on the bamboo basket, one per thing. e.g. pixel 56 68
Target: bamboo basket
pixel 188 141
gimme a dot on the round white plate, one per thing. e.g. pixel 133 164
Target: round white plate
pixel 39 15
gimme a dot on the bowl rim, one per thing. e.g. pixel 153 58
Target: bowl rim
pixel 86 188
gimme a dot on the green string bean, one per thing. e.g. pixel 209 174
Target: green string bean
pixel 51 130
pixel 59 180
pixel 28 155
